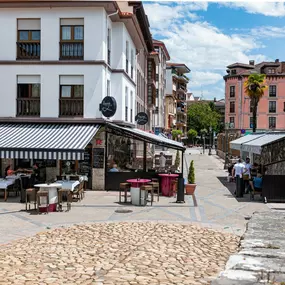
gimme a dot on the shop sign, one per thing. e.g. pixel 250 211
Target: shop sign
pixel 108 107
pixel 141 118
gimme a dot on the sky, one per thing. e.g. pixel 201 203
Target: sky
pixel 208 36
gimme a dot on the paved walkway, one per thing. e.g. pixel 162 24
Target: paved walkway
pixel 217 208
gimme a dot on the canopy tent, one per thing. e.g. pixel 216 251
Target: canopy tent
pixel 237 144
pixel 45 141
pixel 255 146
pixel 143 136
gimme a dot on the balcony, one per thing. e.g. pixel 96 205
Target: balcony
pixel 28 106
pixel 28 50
pixel 71 50
pixel 71 107
pixel 180 110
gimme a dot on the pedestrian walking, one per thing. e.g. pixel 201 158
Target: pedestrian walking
pixel 237 172
pixel 246 175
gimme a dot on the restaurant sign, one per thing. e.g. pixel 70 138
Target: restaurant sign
pixel 108 107
pixel 141 118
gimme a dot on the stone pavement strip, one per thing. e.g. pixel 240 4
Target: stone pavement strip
pixel 119 254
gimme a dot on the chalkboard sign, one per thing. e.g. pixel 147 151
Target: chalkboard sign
pixel 98 157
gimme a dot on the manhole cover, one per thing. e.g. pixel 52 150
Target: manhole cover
pixel 123 211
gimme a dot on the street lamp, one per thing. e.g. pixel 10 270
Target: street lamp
pixel 210 141
pixel 227 149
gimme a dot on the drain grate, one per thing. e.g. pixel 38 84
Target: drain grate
pixel 123 211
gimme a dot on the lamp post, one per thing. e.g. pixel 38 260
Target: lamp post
pixel 227 150
pixel 210 141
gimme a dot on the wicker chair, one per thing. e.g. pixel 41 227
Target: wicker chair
pixel 68 194
pixel 31 196
pixel 45 195
pixel 147 188
pixel 123 191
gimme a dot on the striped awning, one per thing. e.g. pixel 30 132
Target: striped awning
pixel 45 141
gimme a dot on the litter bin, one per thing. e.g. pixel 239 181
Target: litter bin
pixel 180 190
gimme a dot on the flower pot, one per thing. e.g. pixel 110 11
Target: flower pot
pixel 190 189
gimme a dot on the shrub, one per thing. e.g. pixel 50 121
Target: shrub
pixel 191 174
pixel 177 160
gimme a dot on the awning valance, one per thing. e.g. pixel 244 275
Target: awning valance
pixel 255 146
pixel 45 141
pixel 237 144
pixel 144 136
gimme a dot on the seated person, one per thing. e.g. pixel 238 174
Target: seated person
pixel 114 169
pixel 256 183
pixel 9 171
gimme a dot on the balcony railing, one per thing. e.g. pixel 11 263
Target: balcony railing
pixel 71 107
pixel 28 106
pixel 27 50
pixel 74 50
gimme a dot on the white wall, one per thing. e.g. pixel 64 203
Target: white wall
pixel 169 86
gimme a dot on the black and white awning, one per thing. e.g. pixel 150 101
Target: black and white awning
pixel 45 141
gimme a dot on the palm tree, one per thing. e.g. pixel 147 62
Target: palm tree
pixel 255 86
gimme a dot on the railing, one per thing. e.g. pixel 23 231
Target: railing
pixel 28 106
pixel 27 50
pixel 70 107
pixel 73 50
pixel 109 57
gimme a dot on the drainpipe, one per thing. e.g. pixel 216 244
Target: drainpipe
pixel 240 102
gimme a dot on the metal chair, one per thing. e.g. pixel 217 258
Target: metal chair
pixel 68 194
pixel 31 196
pixel 123 191
pixel 44 195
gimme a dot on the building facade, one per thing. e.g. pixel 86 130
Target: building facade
pixel 271 108
pixel 159 111
pixel 55 70
pixel 176 97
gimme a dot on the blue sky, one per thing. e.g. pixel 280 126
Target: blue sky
pixel 209 36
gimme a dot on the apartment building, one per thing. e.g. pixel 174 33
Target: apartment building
pixel 176 97
pixel 59 60
pixel 271 108
pixel 159 111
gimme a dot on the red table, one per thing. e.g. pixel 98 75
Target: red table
pixel 166 184
pixel 135 190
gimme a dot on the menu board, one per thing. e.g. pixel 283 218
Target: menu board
pixel 98 157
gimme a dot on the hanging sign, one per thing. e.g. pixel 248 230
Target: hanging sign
pixel 108 107
pixel 141 118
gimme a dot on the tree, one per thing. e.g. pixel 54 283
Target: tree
pixel 192 134
pixel 177 160
pixel 176 133
pixel 191 174
pixel 201 116
pixel 254 88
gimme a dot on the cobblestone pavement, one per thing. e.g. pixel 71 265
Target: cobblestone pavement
pixel 117 253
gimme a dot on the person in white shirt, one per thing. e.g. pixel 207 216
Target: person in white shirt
pixel 237 172
pixel 162 161
pixel 246 174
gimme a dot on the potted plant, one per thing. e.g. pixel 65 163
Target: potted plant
pixel 191 186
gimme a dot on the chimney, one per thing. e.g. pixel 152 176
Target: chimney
pixel 251 62
pixel 276 60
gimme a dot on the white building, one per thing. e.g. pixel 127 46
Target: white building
pixel 159 113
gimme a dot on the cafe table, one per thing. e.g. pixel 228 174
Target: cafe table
pixel 52 189
pixel 4 183
pixel 166 184
pixel 135 190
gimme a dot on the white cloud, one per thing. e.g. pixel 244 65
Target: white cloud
pixel 204 48
pixel 268 32
pixel 275 9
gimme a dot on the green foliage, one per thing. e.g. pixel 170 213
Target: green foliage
pixel 191 174
pixel 177 160
pixel 201 116
pixel 176 133
pixel 192 134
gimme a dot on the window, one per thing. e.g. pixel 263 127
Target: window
pixel 271 71
pixel 251 122
pixel 71 95
pixel 272 122
pixel 156 77
pixel 127 56
pixel 232 91
pixel 126 103
pixel 157 93
pixel 29 38
pixel 109 47
pixel 132 63
pixel 232 122
pixel 232 107
pixel 272 90
pixel 71 38
pixel 233 72
pixel 108 88
pixel 28 95
pixel 272 106
pixel 131 106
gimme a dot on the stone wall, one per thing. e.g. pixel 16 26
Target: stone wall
pixel 222 147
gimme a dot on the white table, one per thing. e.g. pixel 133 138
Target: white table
pixel 52 189
pixel 68 184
